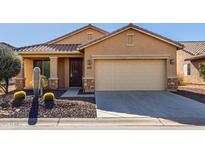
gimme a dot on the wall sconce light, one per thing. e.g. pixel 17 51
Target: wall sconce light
pixel 172 61
pixel 89 62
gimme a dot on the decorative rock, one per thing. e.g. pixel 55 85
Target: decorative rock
pixel 62 109
pixel 17 110
pixel 5 105
pixel 4 113
pixel 1 102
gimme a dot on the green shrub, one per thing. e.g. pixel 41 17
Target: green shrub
pixel 202 71
pixel 20 95
pixel 10 66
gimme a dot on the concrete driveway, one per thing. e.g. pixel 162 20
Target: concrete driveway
pixel 153 104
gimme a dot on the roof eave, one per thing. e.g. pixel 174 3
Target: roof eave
pixel 77 31
pixel 176 44
pixel 8 45
pixel 195 58
pixel 46 53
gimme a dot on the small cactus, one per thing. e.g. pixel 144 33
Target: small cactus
pixel 49 96
pixel 36 81
pixel 18 98
pixel 49 100
pixel 20 95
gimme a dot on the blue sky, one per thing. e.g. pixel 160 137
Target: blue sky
pixel 28 34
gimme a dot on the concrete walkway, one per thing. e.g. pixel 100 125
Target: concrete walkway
pixel 72 92
pixel 98 123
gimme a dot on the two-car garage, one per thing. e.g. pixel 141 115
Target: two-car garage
pixel 133 74
pixel 130 59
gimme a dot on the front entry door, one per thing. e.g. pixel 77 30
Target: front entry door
pixel 75 72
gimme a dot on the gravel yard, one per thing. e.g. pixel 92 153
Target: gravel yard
pixel 63 108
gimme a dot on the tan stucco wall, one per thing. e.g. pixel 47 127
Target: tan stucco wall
pixel 194 78
pixel 80 37
pixel 28 70
pixel 54 67
pixel 61 72
pixel 144 45
pixel 21 73
pixel 181 55
pixel 66 75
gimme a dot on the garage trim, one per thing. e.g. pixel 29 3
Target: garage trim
pixel 130 57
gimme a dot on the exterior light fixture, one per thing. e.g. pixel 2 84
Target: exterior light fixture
pixel 172 61
pixel 89 62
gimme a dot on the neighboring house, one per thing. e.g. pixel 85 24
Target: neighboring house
pixel 6 45
pixel 130 58
pixel 189 60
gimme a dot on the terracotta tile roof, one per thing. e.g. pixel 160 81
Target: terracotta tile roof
pixel 6 45
pixel 76 31
pixel 41 48
pixel 135 27
pixel 195 48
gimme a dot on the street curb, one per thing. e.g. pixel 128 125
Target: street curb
pixel 93 124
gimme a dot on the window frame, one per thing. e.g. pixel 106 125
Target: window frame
pixel 187 69
pixel 42 67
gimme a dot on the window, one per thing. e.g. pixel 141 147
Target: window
pixel 44 65
pixel 187 69
pixel 130 39
pixel 90 36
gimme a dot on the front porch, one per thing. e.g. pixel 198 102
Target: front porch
pixel 60 71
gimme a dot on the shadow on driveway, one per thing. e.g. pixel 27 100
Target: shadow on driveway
pixel 156 104
pixel 193 95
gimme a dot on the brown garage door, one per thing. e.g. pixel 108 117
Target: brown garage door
pixel 129 75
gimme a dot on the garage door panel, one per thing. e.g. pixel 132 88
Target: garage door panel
pixel 129 75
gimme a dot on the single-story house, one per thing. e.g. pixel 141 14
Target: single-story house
pixel 130 58
pixel 189 60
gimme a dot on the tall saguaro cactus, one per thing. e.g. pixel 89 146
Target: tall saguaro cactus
pixel 36 81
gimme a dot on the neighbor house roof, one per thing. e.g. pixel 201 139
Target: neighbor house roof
pixel 41 48
pixel 177 44
pixel 77 31
pixel 6 45
pixel 195 48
